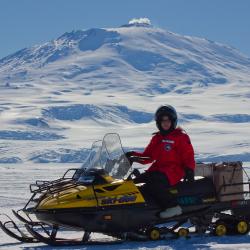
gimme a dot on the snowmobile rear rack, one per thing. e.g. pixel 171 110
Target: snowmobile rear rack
pixel 234 184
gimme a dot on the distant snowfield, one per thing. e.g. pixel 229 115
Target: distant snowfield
pixel 14 192
pixel 217 120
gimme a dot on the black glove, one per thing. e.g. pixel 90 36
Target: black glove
pixel 189 175
pixel 136 173
pixel 129 156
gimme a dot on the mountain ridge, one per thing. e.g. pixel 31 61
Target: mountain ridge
pixel 159 56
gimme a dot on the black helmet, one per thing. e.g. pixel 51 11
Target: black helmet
pixel 166 110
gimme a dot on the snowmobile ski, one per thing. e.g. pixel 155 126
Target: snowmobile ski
pixel 9 227
pixel 51 239
pixel 21 218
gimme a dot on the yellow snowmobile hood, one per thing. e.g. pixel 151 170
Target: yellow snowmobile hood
pixel 111 194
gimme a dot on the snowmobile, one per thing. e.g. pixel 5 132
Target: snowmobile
pixel 101 197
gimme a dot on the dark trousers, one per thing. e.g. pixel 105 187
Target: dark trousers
pixel 157 185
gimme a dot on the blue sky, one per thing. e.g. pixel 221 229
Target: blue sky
pixel 27 22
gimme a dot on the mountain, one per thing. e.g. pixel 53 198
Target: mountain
pixel 149 59
pixel 58 96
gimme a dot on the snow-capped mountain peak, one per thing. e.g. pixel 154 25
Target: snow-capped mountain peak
pixel 115 78
pixel 155 57
pixel 138 22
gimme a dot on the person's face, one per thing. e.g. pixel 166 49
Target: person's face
pixel 165 123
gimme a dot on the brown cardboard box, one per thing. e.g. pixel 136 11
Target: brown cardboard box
pixel 204 169
pixel 228 173
pixel 222 174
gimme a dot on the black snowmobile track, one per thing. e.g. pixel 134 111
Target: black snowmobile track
pixel 67 242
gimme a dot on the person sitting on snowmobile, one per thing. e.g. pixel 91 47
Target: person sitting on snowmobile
pixel 171 152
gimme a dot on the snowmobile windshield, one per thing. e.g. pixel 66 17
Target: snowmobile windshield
pixel 108 155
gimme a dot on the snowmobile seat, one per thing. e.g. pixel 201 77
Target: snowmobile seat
pixel 197 192
pixel 202 185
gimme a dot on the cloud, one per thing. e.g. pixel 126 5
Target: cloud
pixel 142 20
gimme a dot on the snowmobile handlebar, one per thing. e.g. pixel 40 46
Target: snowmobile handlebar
pixel 137 159
pixel 140 158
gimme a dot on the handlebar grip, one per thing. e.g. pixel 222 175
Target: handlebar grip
pixel 139 158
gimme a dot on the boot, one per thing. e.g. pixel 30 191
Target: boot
pixel 171 212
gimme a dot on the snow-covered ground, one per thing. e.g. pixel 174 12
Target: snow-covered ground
pixel 14 192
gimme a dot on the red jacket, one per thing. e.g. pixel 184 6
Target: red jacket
pixel 170 154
